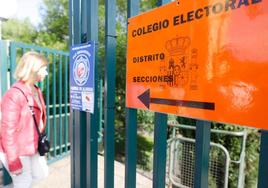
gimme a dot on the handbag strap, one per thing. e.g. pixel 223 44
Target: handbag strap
pixel 32 111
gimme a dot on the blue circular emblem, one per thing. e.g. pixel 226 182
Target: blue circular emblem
pixel 81 69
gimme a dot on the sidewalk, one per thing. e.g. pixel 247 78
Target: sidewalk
pixel 59 175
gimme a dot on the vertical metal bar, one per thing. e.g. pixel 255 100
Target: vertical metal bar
pixel 100 115
pixel 41 84
pixel 60 103
pixel 65 104
pixel 173 132
pixel 83 116
pixel 133 8
pixel 48 102
pixel 13 55
pixel 160 143
pixel 83 143
pixel 131 122
pixel 71 22
pixel 77 149
pixel 54 106
pixel 92 128
pixel 83 120
pixel 4 67
pixel 202 148
pixel 110 66
pixel 76 27
pixel 160 150
pixel 81 127
pixel 72 115
pixel 241 178
pixel 263 162
pixel 77 173
pixel 131 148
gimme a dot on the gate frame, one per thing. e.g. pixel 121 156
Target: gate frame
pixel 86 19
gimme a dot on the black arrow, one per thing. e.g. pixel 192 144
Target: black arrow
pixel 147 100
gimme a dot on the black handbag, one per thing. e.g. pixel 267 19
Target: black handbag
pixel 43 142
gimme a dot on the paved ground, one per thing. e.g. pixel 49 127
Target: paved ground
pixel 60 175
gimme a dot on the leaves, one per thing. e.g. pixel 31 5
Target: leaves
pixel 21 31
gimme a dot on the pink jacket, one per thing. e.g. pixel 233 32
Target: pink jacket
pixel 18 135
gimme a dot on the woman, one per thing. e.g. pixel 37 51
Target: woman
pixel 19 137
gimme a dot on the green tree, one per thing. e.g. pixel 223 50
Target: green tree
pixel 54 29
pixel 19 30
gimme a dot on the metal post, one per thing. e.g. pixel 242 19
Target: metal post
pixel 160 150
pixel 100 135
pixel 71 124
pixel 4 67
pixel 48 103
pixel 202 149
pixel 60 103
pixel 263 162
pixel 54 124
pixel 78 126
pixel 160 142
pixel 131 148
pixel 0 29
pixel 93 119
pixel 13 55
pixel 131 122
pixel 241 178
pixel 110 58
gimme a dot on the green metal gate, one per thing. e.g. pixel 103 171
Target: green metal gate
pixel 84 27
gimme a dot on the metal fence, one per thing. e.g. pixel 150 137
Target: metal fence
pixel 182 163
pixel 181 159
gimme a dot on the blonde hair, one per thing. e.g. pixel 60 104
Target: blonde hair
pixel 29 64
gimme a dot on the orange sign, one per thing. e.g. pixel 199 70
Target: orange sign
pixel 201 59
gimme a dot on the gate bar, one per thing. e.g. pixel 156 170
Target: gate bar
pixel 91 21
pixel 78 123
pixel 110 69
pixel 160 150
pixel 4 67
pixel 133 8
pixel 263 162
pixel 202 149
pixel 131 148
pixel 160 141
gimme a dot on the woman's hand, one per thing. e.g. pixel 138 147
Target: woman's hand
pixel 17 172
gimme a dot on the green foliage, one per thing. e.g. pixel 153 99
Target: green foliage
pixel 145 152
pixel 144 147
pixel 54 30
pixel 120 78
pixel 252 158
pixel 233 145
pixel 146 5
pixel 20 31
pixel 145 121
